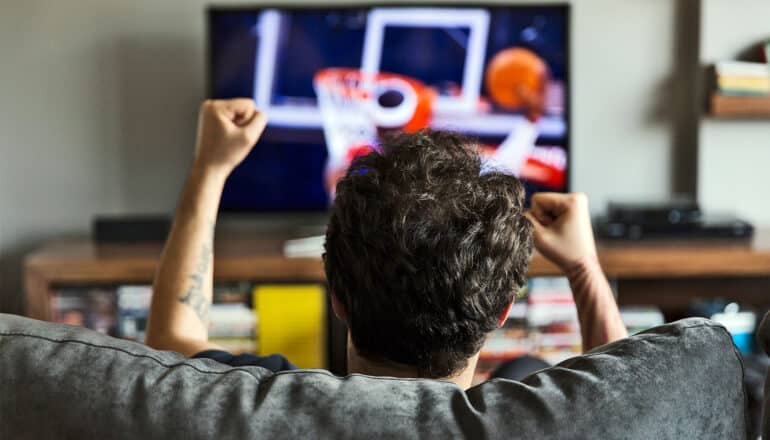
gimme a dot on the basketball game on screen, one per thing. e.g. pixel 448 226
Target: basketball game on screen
pixel 334 82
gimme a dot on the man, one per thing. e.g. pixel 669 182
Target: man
pixel 425 251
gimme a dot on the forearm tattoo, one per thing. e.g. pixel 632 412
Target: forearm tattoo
pixel 194 296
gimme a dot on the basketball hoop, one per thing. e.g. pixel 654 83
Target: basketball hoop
pixel 354 104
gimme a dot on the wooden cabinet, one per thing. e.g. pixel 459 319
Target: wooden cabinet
pixel 669 274
pixel 679 268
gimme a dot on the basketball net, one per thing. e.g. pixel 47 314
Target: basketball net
pixel 342 99
pixel 351 111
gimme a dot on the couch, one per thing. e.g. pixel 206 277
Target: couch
pixel 678 381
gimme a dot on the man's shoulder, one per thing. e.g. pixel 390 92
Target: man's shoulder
pixel 273 362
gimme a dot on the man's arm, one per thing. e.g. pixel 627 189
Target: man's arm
pixel 563 234
pixel 183 286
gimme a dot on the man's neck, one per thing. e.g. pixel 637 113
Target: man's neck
pixel 361 365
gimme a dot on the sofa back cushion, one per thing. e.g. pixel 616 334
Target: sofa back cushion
pixel 763 337
pixel 682 380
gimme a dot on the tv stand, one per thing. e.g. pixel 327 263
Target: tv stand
pixel 669 273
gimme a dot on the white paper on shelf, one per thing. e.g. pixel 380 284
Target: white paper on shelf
pixel 310 247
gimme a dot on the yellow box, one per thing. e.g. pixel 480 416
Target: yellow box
pixel 291 322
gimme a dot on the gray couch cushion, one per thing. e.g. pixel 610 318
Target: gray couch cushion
pixel 678 381
pixel 763 337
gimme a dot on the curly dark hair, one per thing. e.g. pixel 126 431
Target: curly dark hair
pixel 425 250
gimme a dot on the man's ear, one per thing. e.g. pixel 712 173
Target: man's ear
pixel 339 309
pixel 504 315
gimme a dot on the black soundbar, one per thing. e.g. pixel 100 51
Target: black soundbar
pixel 706 227
pixel 133 229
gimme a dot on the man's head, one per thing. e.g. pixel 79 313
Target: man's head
pixel 424 251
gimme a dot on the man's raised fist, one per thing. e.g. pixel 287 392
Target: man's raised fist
pixel 227 131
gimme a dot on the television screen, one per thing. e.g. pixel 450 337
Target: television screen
pixel 334 81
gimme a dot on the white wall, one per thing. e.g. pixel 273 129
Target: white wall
pixel 734 160
pixel 97 116
pixel 99 99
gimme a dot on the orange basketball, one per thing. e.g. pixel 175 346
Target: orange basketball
pixel 512 69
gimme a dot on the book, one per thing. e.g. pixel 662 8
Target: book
pixel 92 308
pixel 231 320
pixel 69 308
pixel 742 69
pixel 553 320
pixel 133 311
pixel 550 302
pixel 238 292
pixel 743 85
pixel 292 322
pixel 543 323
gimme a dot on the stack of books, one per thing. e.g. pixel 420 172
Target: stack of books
pixel 233 319
pixel 743 78
pixel 133 311
pixel 509 342
pixel 543 323
pixel 232 326
pixel 742 90
pixel 553 320
pixel 93 308
pixel 123 311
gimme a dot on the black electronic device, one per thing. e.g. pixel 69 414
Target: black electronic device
pixel 681 220
pixel 134 229
pixel 668 213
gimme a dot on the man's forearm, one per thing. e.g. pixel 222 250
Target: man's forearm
pixel 598 313
pixel 183 284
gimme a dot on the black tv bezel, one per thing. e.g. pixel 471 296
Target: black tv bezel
pixel 566 7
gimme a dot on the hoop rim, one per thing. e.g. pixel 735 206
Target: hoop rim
pixel 331 74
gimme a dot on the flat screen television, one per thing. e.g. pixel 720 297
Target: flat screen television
pixel 334 80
